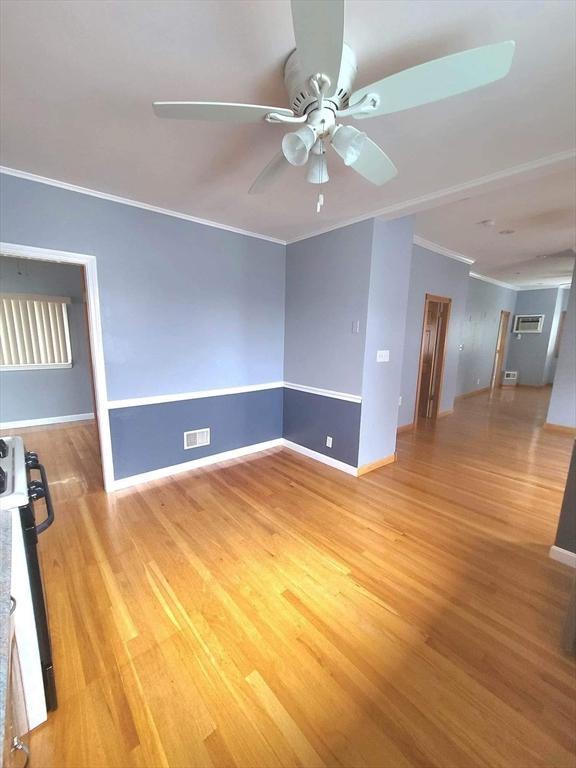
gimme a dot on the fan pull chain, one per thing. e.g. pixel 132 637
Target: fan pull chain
pixel 320 201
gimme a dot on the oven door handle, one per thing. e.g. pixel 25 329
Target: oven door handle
pixel 44 493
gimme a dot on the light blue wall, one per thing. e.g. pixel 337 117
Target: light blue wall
pixel 184 306
pixel 326 293
pixel 439 275
pixel 528 354
pixel 385 330
pixel 551 359
pixel 562 408
pixel 484 303
pixel 48 393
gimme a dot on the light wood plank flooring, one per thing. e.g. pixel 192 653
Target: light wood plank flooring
pixel 274 612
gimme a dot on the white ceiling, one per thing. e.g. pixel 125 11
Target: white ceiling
pixel 541 213
pixel 78 80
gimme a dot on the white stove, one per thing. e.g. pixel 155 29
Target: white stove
pixel 13 478
pixel 23 482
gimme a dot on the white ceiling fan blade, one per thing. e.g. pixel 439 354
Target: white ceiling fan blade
pixel 439 79
pixel 374 164
pixel 319 32
pixel 268 176
pixel 217 111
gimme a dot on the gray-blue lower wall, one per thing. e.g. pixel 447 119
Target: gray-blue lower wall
pixel 309 418
pixel 148 437
pixel 566 533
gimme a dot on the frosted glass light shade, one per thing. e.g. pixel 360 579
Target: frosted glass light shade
pixel 348 142
pixel 296 146
pixel 317 170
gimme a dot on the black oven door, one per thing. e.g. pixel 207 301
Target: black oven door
pixel 39 490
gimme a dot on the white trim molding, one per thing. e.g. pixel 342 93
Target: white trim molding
pixel 135 203
pixel 88 261
pixel 324 392
pixel 321 457
pixel 237 453
pixel 186 466
pixel 532 169
pixel 44 421
pixel 538 166
pixel 563 556
pixel 130 402
pixel 436 248
pixel 492 280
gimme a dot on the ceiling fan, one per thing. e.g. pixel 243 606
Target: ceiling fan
pixel 319 75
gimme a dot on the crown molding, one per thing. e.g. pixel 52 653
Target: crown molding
pixel 430 246
pixel 540 287
pixel 448 194
pixel 511 287
pixel 135 204
pixel 404 208
pixel 485 279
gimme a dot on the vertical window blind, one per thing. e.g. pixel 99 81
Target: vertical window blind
pixel 34 332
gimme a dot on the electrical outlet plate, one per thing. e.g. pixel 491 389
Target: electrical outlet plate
pixel 328 441
pixel 383 356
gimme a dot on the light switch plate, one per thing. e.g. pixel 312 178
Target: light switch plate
pixel 383 356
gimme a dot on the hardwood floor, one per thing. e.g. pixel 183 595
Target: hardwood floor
pixel 273 611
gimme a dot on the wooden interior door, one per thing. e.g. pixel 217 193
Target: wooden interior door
pixel 432 352
pixel 500 349
pixel 430 336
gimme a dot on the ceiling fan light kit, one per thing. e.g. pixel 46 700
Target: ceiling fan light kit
pixel 319 76
pixel 348 142
pixel 318 169
pixel 296 146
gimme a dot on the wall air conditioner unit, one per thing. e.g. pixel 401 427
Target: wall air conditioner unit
pixel 510 378
pixel 528 323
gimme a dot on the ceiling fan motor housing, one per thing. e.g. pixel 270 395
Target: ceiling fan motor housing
pixel 301 95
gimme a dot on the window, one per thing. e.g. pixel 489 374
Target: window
pixel 34 332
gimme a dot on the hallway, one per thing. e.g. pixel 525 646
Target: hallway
pixel 273 611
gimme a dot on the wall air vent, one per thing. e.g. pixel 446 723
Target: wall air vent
pixel 510 378
pixel 196 438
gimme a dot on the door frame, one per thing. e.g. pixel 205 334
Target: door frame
pixel 429 299
pixel 500 338
pixel 87 261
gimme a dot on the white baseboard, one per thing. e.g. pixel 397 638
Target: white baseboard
pixel 175 469
pixel 563 556
pixel 342 466
pixel 42 422
pixel 186 466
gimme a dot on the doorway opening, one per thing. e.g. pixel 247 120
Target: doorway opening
pixel 79 349
pixel 432 356
pixel 496 380
pixel 47 380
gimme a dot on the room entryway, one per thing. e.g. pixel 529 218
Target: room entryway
pixel 496 380
pixel 432 354
pixel 50 354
